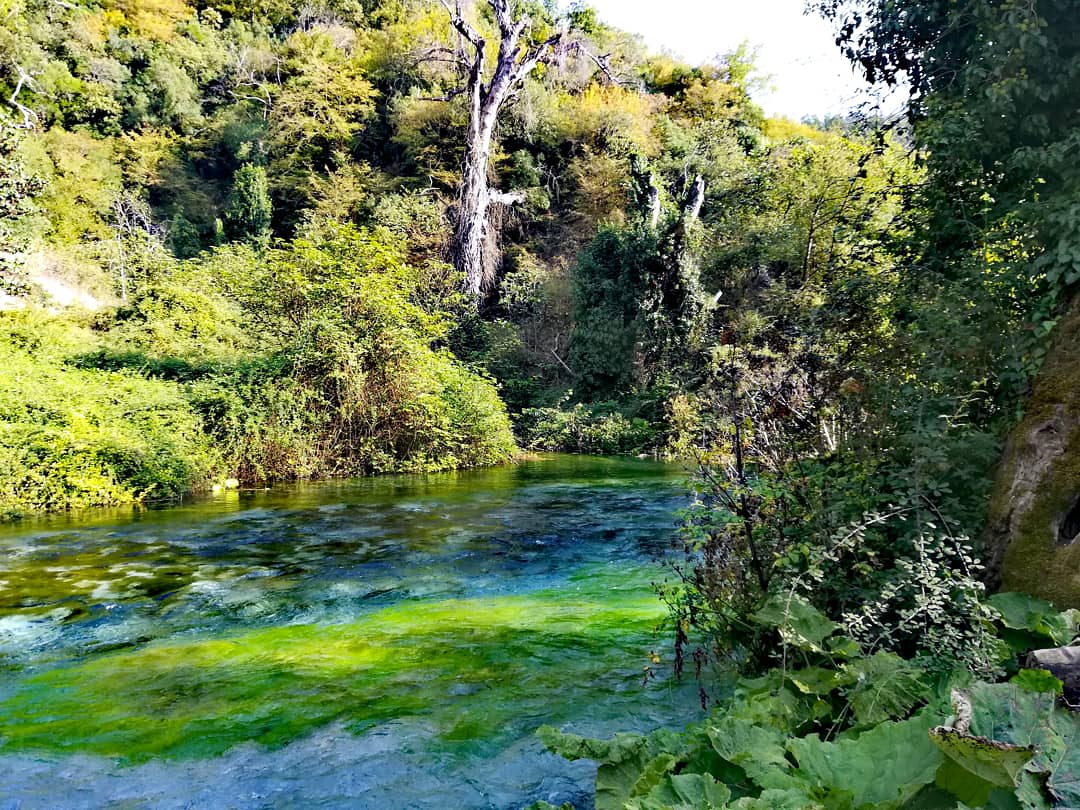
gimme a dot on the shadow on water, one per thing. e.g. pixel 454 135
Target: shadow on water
pixel 232 639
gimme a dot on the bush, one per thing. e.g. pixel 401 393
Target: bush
pixel 348 379
pixel 71 438
pixel 307 360
pixel 586 429
pixel 842 726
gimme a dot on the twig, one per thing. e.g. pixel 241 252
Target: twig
pixel 562 362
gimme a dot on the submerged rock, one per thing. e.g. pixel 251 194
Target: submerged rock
pixel 1033 534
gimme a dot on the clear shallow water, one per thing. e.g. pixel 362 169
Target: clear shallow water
pixel 386 643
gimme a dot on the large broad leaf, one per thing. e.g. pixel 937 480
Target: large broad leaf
pixel 1037 680
pixel 621 761
pixel 571 746
pixel 758 750
pixel 1006 713
pixel 777 800
pixel 761 703
pixel 691 791
pixel 800 623
pixel 1009 714
pixel 984 764
pixel 820 681
pixel 885 766
pixel 628 764
pixel 886 688
pixel 652 774
pixel 1026 613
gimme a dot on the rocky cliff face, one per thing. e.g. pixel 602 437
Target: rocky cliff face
pixel 1033 541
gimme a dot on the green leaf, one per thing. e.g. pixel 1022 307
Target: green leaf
pixel 571 746
pixel 758 750
pixel 958 783
pixel 991 762
pixel 1038 680
pixel 819 680
pixel 843 647
pixel 691 791
pixel 622 760
pixel 1022 612
pixel 1031 794
pixel 659 767
pixel 1013 715
pixel 885 766
pixel 886 688
pixel 777 800
pixel 780 708
pixel 800 623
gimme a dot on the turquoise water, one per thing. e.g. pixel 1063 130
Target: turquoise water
pixel 384 643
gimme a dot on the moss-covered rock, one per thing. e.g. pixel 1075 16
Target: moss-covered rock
pixel 1033 537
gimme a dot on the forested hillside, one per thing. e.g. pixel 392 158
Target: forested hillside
pixel 253 242
pixel 256 208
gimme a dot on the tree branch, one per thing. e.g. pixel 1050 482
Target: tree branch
pixel 539 54
pixel 30 118
pixel 503 15
pixel 450 96
pixel 446 56
pixel 602 61
pixel 463 26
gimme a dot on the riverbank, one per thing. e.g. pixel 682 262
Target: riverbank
pixel 90 415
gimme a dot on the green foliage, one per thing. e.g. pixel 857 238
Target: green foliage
pixel 248 212
pixel 1037 680
pixel 609 286
pixel 301 360
pixel 982 764
pixel 71 438
pixel 17 187
pixel 349 382
pixel 1029 621
pixel 865 732
pixel 884 686
pixel 599 429
pixel 688 791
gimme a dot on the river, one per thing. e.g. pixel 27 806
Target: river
pixel 381 643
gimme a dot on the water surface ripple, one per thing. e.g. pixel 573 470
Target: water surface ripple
pixel 384 643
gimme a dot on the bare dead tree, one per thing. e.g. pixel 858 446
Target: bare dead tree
pixel 132 220
pixel 517 57
pixel 30 118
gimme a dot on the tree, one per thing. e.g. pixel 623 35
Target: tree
pixel 519 54
pixel 17 187
pixel 248 213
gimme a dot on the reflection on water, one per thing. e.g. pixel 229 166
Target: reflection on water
pixel 390 642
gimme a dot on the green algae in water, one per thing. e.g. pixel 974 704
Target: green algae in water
pixel 475 607
pixel 471 667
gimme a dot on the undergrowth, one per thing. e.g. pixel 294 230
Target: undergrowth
pixel 835 726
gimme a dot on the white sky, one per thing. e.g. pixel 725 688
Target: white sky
pixel 809 74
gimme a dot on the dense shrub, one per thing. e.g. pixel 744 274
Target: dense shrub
pixel 351 378
pixel 586 429
pixel 72 437
pixel 306 360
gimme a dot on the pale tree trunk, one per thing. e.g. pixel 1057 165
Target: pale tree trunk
pixel 470 234
pixel 474 251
